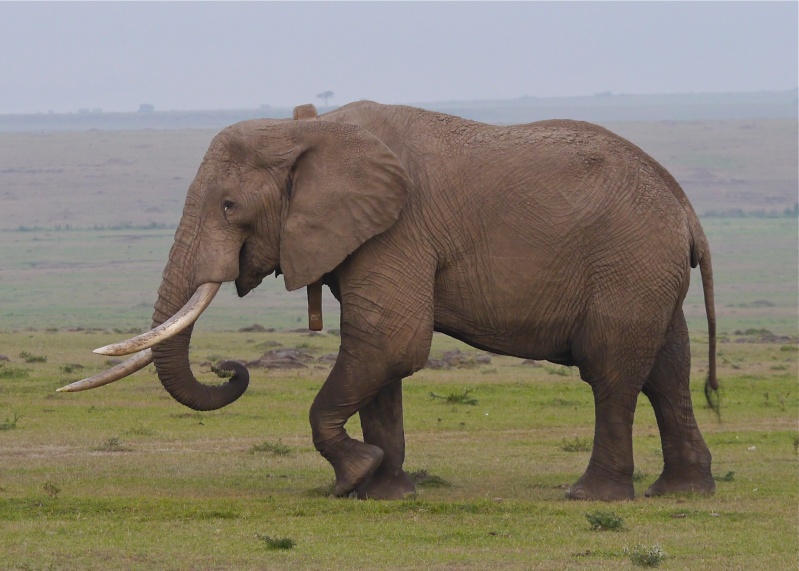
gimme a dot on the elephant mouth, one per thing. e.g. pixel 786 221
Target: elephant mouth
pixel 250 275
pixel 245 284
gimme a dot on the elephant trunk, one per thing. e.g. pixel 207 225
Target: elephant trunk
pixel 171 356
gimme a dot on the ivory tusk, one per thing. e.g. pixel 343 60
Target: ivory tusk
pixel 138 361
pixel 187 315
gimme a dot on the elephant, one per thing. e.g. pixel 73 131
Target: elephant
pixel 555 240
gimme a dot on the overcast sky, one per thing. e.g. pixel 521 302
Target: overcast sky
pixel 64 56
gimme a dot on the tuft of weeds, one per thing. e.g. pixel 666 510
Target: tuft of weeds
pixel 643 556
pixel 576 444
pixel 561 371
pixel 795 443
pixel 456 398
pixel 51 490
pixel 10 423
pixel 789 348
pixel 638 476
pixel 30 358
pixel 112 444
pixel 604 521
pixel 13 372
pixel 276 543
pixel 139 431
pixel 728 477
pixel 222 373
pixel 275 449
pixel 130 331
pixel 424 479
pixel 71 368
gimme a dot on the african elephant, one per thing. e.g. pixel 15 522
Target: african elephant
pixel 555 240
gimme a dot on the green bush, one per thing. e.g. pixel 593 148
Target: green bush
pixel 646 556
pixel 276 543
pixel 604 521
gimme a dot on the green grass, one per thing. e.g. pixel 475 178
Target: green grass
pixel 122 477
pixel 754 262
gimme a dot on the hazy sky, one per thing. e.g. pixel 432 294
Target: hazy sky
pixel 63 56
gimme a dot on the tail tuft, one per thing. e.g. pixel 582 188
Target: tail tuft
pixel 712 394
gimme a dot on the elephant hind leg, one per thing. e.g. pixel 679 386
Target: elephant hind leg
pixel 685 455
pixel 615 358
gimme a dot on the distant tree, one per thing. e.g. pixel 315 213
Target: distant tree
pixel 146 108
pixel 324 96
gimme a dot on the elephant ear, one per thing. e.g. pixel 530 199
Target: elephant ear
pixel 346 186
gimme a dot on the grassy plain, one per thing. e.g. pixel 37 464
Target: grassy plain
pixel 124 478
pixel 108 279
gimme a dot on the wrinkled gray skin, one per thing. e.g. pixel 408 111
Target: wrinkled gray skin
pixel 556 240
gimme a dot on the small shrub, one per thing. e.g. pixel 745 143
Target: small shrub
pixel 10 423
pixel 278 449
pixel 645 556
pixel 112 444
pixel 576 444
pixel 276 543
pixel 638 475
pixel 140 431
pixel 71 368
pixel 425 479
pixel 604 521
pixel 790 348
pixel 753 331
pixel 456 398
pixel 223 373
pixel 562 371
pixel 30 358
pixel 51 490
pixel 728 477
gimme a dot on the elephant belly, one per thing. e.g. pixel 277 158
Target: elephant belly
pixel 525 322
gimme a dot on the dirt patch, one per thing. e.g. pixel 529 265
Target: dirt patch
pixel 282 359
pixel 329 358
pixel 256 328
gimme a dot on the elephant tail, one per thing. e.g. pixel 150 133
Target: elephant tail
pixel 700 255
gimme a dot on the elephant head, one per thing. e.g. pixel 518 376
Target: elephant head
pixel 270 196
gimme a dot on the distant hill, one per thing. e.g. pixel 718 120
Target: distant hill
pixel 602 107
pixel 605 107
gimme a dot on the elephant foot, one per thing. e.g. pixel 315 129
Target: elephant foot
pixel 698 483
pixel 386 485
pixel 354 462
pixel 588 488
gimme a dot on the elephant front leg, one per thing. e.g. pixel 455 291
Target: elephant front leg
pixel 381 420
pixel 341 396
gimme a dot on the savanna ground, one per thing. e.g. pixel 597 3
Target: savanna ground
pixel 124 478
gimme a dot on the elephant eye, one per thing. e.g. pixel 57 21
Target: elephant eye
pixel 228 205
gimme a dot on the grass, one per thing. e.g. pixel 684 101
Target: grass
pixel 456 398
pixel 187 493
pixel 643 556
pixel 276 543
pixel 604 521
pixel 124 478
pixel 576 444
pixel 10 423
pixel 276 449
